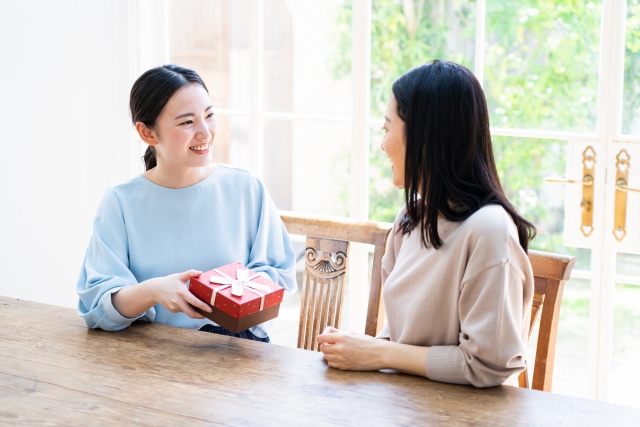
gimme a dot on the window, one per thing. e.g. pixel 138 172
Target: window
pixel 300 88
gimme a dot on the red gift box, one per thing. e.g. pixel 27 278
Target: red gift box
pixel 259 302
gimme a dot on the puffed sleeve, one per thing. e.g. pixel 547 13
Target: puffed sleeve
pixel 491 306
pixel 271 252
pixel 106 269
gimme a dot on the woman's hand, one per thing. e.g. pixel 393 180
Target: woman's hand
pixel 171 292
pixel 351 351
pixel 360 352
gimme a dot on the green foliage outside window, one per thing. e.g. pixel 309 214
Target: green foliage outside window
pixel 541 72
pixel 631 100
pixel 541 64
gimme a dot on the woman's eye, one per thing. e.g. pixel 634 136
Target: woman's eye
pixel 188 122
pixel 209 115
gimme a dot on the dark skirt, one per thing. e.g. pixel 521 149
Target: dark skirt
pixel 247 335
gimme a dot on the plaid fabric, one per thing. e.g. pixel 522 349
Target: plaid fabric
pixel 247 335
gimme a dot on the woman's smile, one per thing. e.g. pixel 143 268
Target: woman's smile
pixel 201 149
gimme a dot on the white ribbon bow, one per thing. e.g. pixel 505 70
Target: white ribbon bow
pixel 242 280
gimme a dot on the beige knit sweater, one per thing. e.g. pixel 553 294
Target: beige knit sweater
pixel 470 300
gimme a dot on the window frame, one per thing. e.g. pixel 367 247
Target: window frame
pixel 608 133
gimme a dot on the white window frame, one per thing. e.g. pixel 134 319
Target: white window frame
pixel 608 132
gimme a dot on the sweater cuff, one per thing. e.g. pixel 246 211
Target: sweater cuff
pixel 446 364
pixel 110 311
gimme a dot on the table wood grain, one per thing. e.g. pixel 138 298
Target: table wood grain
pixel 56 371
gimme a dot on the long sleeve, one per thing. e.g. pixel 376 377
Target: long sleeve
pixel 144 231
pixel 106 269
pixel 469 301
pixel 491 348
pixel 272 252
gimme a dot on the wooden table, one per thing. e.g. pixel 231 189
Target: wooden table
pixel 54 370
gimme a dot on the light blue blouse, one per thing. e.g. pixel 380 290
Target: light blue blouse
pixel 143 230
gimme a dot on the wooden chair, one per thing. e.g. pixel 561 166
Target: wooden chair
pixel 550 272
pixel 323 284
pixel 326 263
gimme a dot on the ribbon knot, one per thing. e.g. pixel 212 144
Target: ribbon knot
pixel 242 281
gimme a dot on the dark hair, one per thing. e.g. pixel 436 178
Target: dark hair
pixel 151 92
pixel 449 166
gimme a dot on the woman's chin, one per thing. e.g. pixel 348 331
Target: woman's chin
pixel 398 183
pixel 201 162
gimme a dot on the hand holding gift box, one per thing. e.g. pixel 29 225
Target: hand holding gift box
pixel 239 298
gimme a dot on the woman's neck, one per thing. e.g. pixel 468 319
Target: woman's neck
pixel 178 177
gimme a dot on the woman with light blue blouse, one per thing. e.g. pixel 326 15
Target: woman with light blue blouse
pixel 184 215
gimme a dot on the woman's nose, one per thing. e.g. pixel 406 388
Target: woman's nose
pixel 202 131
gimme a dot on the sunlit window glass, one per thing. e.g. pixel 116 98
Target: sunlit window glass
pixel 626 329
pixel 212 38
pixel 541 64
pixel 312 175
pixel 631 92
pixel 301 47
pixel 405 34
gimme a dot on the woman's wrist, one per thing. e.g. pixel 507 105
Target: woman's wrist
pixel 132 301
pixel 385 353
pixel 149 291
pixel 403 357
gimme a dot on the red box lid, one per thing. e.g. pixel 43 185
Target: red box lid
pixel 237 307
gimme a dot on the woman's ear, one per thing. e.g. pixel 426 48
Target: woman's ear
pixel 146 134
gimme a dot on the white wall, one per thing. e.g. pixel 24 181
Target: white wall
pixel 66 68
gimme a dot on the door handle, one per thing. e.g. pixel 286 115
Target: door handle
pixel 587 180
pixel 586 204
pixel 621 185
pixel 622 178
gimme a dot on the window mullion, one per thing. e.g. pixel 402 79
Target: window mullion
pixel 479 54
pixel 360 79
pixel 359 162
pixel 256 45
pixel 603 253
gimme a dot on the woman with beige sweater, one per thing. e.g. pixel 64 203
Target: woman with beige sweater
pixel 458 284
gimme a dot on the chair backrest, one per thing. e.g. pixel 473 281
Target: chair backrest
pixel 549 272
pixel 326 265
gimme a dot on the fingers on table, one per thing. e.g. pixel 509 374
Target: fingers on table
pixel 336 362
pixel 335 365
pixel 329 340
pixel 329 348
pixel 333 356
